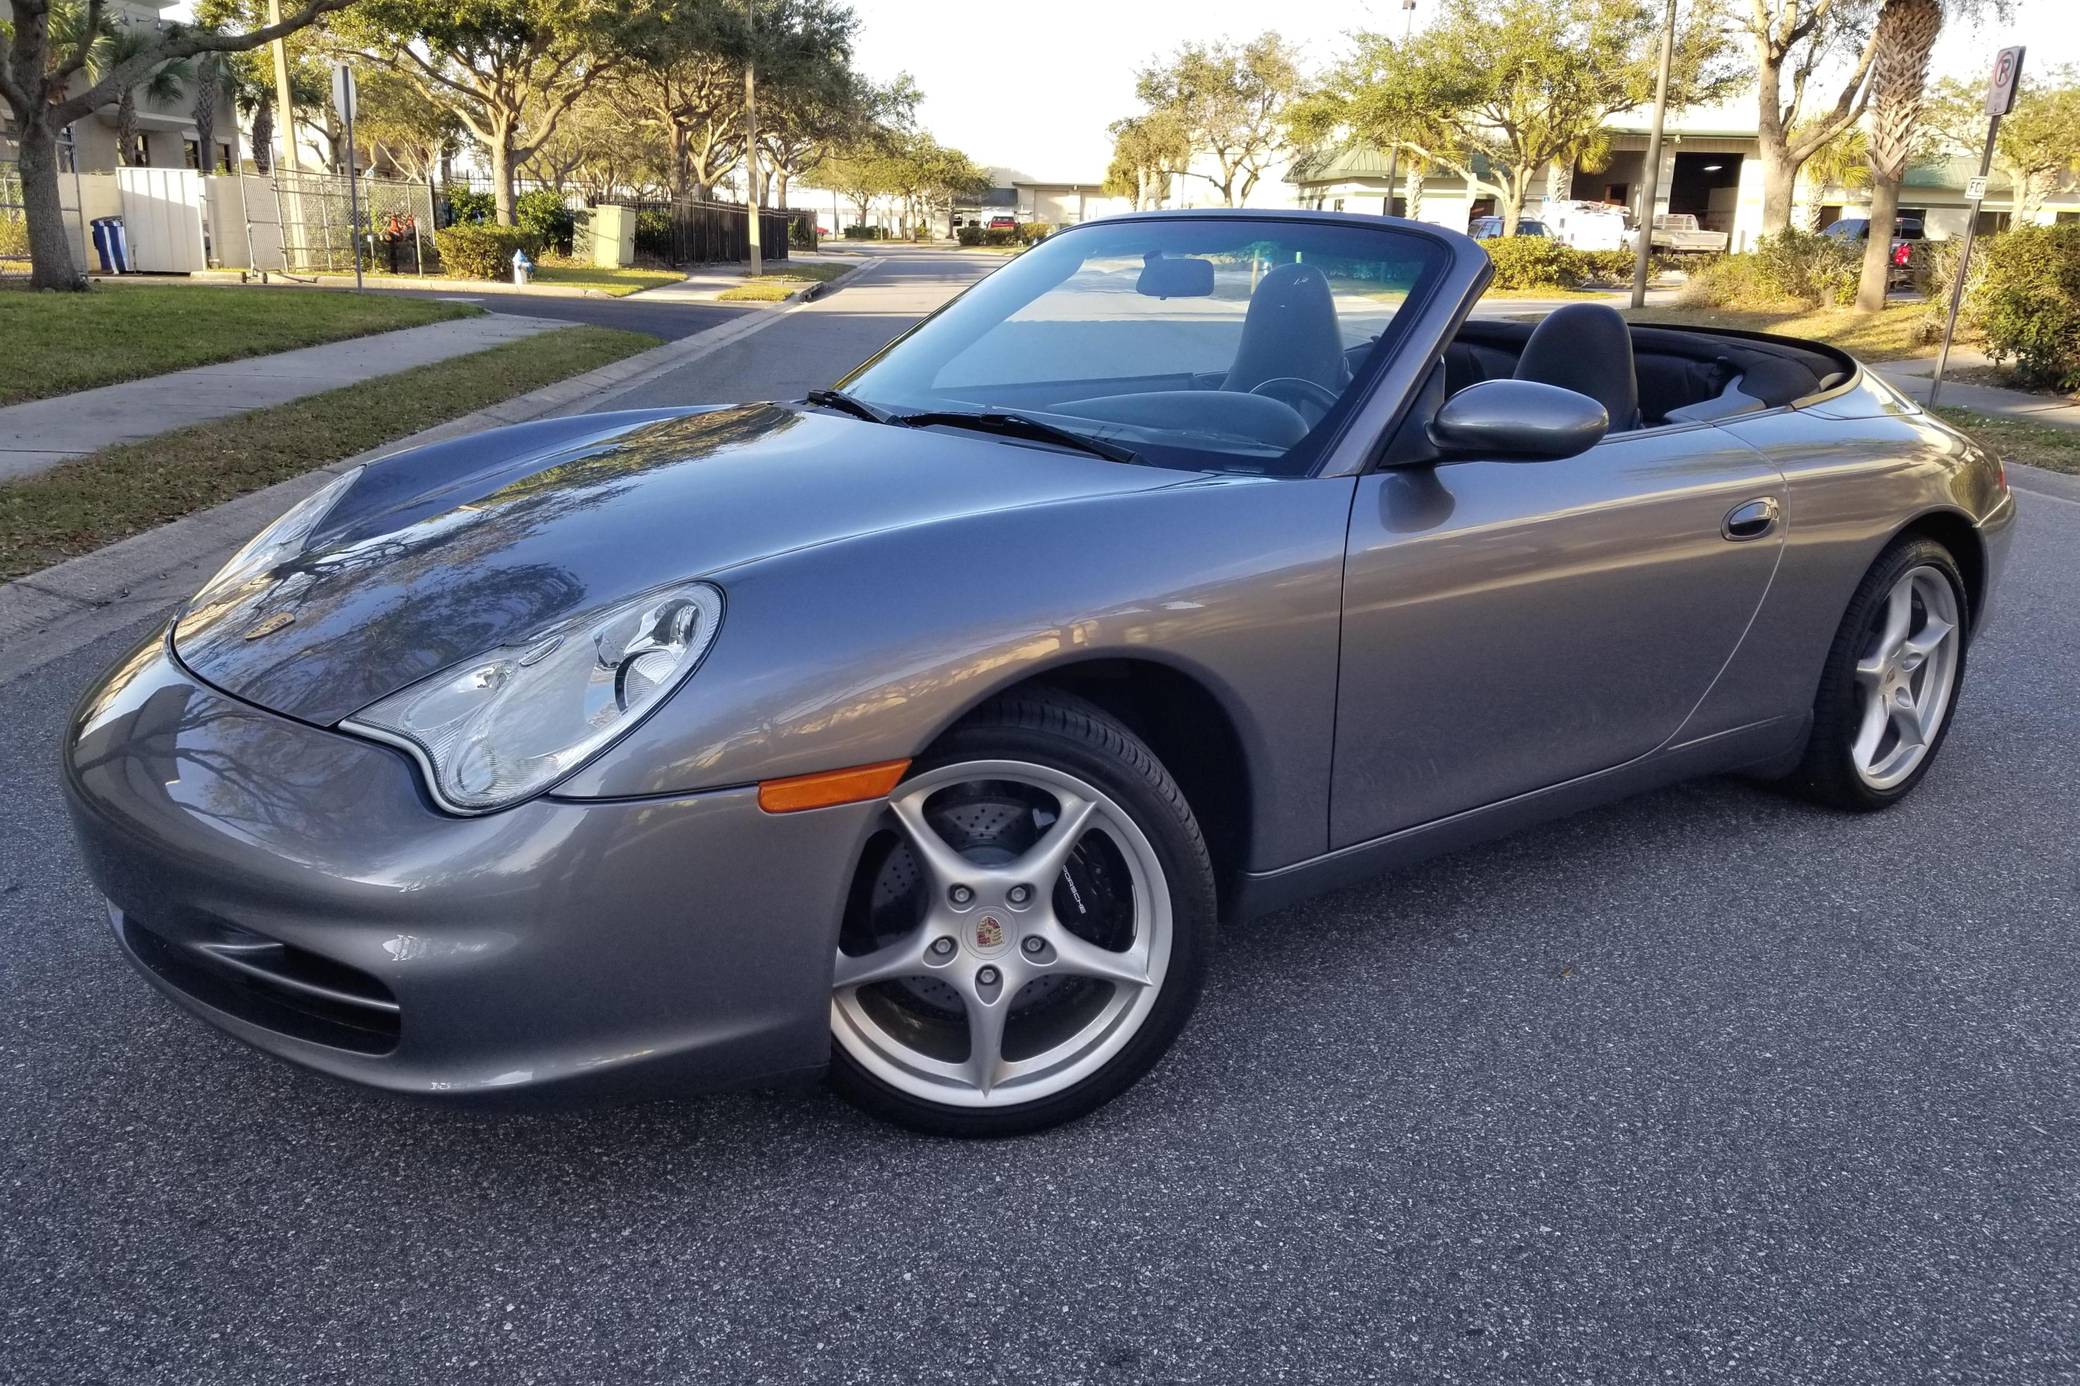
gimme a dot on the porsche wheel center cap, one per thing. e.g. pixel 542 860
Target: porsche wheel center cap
pixel 988 934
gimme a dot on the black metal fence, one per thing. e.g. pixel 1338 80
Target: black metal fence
pixel 686 232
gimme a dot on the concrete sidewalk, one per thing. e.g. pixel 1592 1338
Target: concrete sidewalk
pixel 706 283
pixel 1913 378
pixel 42 433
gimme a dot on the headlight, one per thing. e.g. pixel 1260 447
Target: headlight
pixel 499 728
pixel 283 539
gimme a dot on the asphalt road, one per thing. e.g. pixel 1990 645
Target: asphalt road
pixel 1708 1086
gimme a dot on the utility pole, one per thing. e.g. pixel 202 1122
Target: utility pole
pixel 2000 99
pixel 1649 192
pixel 751 135
pixel 1408 24
pixel 282 97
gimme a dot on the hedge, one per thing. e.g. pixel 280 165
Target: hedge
pixel 545 215
pixel 474 250
pixel 1536 262
pixel 2026 303
pixel 1796 267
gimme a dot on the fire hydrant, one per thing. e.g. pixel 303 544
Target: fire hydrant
pixel 522 266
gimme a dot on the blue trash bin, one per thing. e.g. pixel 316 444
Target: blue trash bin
pixel 104 245
pixel 119 242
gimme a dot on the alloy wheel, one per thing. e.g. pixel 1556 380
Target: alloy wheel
pixel 1008 938
pixel 1906 677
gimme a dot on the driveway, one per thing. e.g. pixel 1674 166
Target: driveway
pixel 1707 1086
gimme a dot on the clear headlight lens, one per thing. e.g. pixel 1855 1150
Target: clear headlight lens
pixel 283 539
pixel 509 724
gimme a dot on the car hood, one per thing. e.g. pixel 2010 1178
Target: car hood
pixel 438 556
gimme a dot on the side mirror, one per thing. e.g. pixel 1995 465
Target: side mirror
pixel 1518 419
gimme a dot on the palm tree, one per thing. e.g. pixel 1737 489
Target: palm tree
pixel 1844 162
pixel 162 87
pixel 1905 39
pixel 210 71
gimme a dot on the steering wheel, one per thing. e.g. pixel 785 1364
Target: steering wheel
pixel 1296 391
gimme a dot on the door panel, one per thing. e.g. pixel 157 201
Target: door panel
pixel 1510 625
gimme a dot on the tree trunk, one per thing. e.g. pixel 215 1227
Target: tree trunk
pixel 1413 208
pixel 1877 251
pixel 502 176
pixel 51 264
pixel 780 181
pixel 1779 186
pixel 263 135
pixel 1512 208
pixel 126 129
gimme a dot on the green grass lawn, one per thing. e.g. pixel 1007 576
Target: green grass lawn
pixel 1886 336
pixel 776 284
pixel 54 344
pixel 95 500
pixel 618 282
pixel 2051 446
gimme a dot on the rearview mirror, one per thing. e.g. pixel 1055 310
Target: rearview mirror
pixel 1518 419
pixel 1184 276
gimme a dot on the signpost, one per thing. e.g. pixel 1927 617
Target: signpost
pixel 343 94
pixel 2000 99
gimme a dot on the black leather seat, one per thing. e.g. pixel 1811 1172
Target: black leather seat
pixel 1290 330
pixel 1587 348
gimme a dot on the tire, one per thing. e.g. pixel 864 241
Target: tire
pixel 1045 744
pixel 1832 771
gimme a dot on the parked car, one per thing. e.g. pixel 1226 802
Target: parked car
pixel 1003 223
pixel 1490 228
pixel 1591 226
pixel 919 731
pixel 1678 233
pixel 1907 233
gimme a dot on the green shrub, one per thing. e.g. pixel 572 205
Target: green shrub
pixel 1031 231
pixel 481 251
pixel 1797 267
pixel 2027 302
pixel 654 238
pixel 14 238
pixel 545 216
pixel 1536 262
pixel 862 233
pixel 801 232
pixel 999 235
pixel 1609 266
pixel 968 235
pixel 468 206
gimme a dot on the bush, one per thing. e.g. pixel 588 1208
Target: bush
pixel 2027 302
pixel 801 232
pixel 1536 262
pixel 1797 267
pixel 968 235
pixel 999 235
pixel 1031 231
pixel 482 251
pixel 14 238
pixel 544 215
pixel 862 233
pixel 654 241
pixel 467 206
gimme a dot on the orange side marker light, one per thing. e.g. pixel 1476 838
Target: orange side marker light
pixel 826 788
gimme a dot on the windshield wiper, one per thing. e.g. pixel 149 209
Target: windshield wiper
pixel 846 404
pixel 1019 426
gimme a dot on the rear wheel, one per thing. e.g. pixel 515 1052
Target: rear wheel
pixel 1028 931
pixel 1891 680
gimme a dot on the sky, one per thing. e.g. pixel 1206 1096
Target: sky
pixel 1031 85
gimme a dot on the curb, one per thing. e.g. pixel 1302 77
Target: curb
pixel 51 613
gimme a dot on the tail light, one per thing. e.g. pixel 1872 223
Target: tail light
pixel 1899 253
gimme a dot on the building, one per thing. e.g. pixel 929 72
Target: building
pixel 166 132
pixel 1710 169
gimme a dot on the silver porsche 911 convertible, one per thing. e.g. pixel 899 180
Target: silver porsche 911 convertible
pixel 918 733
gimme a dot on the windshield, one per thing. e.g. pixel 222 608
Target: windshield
pixel 1202 342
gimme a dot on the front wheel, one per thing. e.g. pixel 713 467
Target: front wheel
pixel 1891 680
pixel 1027 932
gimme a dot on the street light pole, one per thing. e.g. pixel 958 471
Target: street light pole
pixel 1648 191
pixel 751 136
pixel 1408 24
pixel 282 96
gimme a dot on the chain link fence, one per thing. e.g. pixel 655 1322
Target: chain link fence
pixel 312 223
pixel 14 225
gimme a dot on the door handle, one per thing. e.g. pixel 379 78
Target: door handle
pixel 1751 520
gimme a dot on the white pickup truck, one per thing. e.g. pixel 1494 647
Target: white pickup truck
pixel 1679 233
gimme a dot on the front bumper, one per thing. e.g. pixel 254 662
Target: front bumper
pixel 295 886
